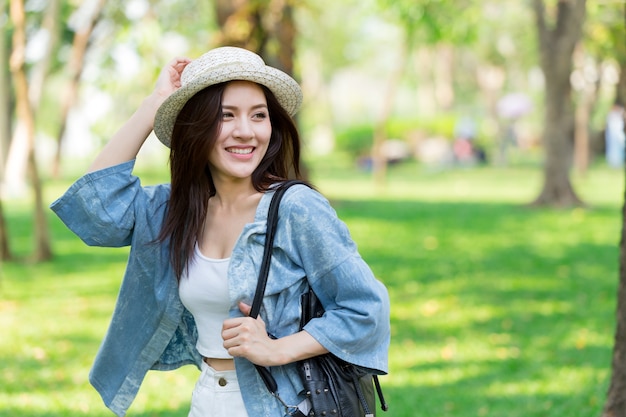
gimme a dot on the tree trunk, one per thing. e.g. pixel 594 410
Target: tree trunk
pixel 557 46
pixel 26 122
pixel 75 69
pixel 17 164
pixel 5 100
pixel 621 84
pixel 379 159
pixel 5 249
pixel 278 47
pixel 40 71
pixel 240 23
pixel 5 135
pixel 586 89
pixel 443 76
pixel 615 404
pixel 263 26
pixel 581 136
pixel 280 28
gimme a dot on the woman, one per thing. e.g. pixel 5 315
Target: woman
pixel 196 245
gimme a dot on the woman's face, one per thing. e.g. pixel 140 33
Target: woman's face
pixel 245 132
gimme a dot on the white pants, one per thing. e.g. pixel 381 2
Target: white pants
pixel 217 394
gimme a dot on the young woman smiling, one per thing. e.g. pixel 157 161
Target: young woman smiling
pixel 196 245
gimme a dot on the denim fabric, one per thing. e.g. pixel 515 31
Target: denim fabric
pixel 150 328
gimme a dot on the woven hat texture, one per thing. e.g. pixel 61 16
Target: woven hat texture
pixel 221 65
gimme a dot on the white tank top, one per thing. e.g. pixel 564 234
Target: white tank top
pixel 203 290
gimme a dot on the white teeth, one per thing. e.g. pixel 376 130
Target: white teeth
pixel 240 151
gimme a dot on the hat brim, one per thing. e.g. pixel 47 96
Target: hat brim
pixel 285 89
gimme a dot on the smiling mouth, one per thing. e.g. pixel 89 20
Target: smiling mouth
pixel 240 151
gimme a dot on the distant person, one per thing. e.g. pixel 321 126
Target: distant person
pixel 465 148
pixel 196 245
pixel 614 136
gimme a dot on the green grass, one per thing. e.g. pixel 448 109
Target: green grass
pixel 497 309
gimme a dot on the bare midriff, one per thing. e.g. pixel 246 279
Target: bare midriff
pixel 220 364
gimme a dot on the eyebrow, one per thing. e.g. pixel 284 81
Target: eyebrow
pixel 232 107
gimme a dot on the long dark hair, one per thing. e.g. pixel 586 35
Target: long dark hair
pixel 193 136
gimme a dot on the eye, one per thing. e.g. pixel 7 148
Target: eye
pixel 227 115
pixel 259 116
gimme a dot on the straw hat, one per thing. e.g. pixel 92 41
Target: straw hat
pixel 221 65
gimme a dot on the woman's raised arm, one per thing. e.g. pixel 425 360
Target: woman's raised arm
pixel 128 140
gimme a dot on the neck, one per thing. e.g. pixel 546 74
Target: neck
pixel 233 193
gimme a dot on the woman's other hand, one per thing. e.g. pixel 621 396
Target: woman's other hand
pixel 247 337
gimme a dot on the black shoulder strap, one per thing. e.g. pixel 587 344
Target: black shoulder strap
pixel 272 221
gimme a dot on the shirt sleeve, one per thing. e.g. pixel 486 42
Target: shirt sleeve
pixel 356 325
pixel 100 207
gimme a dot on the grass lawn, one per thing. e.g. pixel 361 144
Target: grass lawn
pixel 497 309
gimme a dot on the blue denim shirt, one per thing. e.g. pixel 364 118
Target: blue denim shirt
pixel 151 329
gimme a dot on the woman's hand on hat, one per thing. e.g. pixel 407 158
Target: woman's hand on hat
pixel 169 78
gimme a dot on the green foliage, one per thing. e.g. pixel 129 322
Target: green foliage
pixel 324 29
pixel 440 125
pixel 605 30
pixel 497 309
pixel 435 21
pixel 355 140
pixel 507 36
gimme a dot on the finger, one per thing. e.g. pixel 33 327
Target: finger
pixel 176 66
pixel 232 328
pixel 245 308
pixel 230 324
pixel 179 60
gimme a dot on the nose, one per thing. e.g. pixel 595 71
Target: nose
pixel 243 129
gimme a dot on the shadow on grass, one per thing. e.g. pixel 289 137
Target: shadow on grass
pixel 510 308
pixel 513 307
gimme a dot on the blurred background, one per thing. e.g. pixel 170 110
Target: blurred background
pixel 437 81
pixel 475 148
